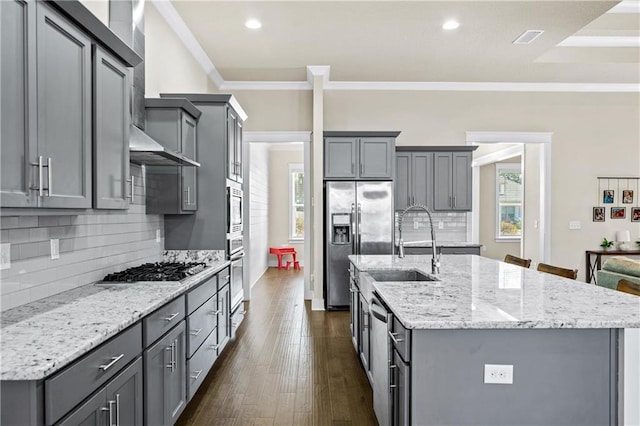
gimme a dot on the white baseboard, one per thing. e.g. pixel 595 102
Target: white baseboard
pixel 317 304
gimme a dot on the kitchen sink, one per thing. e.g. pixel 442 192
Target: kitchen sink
pixel 401 275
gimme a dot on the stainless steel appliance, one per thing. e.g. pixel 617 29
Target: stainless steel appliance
pixel 379 360
pixel 160 271
pixel 237 293
pixel 234 208
pixel 358 220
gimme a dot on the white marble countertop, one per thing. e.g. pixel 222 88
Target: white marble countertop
pixel 477 292
pixel 41 337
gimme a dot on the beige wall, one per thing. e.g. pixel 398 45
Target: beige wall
pixel 279 201
pixel 169 67
pixel 491 248
pixel 595 134
pixel 100 8
pixel 273 110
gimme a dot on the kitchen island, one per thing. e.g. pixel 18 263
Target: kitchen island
pixel 573 348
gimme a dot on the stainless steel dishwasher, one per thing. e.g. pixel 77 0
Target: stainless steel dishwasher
pixel 379 359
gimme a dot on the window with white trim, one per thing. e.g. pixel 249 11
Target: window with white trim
pixel 509 194
pixel 296 201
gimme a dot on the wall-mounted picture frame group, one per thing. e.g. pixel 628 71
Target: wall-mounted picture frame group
pixel 627 196
pixel 635 214
pixel 598 214
pixel 607 196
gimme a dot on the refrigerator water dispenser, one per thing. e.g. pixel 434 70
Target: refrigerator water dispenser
pixel 341 228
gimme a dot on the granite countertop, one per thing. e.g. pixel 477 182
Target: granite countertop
pixel 40 338
pixel 442 244
pixel 477 292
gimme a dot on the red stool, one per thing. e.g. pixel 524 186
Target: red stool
pixel 296 264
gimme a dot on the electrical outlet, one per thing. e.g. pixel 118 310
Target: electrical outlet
pixel 157 235
pixel 416 225
pixel 55 249
pixel 498 374
pixel 5 256
pixel 440 225
pixel 575 224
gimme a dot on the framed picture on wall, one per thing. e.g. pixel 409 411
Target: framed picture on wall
pixel 627 196
pixel 618 212
pixel 607 196
pixel 635 214
pixel 598 214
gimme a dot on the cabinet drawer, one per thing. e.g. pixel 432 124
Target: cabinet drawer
pixel 67 388
pixel 163 320
pixel 200 323
pixel 200 363
pixel 401 339
pixel 224 277
pixel 200 294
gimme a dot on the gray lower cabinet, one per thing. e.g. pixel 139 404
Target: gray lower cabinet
pixel 111 120
pixel 364 320
pixel 18 137
pixel 452 181
pixel 118 403
pixel 165 378
pixel 201 362
pixel 224 318
pixel 359 157
pixel 414 179
pixel 63 163
pixel 400 376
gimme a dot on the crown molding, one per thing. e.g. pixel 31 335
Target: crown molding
pixel 508 137
pixel 482 86
pixel 318 70
pixel 174 20
pixel 265 85
pixel 626 6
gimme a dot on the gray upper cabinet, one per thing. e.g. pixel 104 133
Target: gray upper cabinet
pixel 340 156
pixel 414 179
pixel 18 103
pixel 64 111
pixel 452 178
pixel 165 380
pixel 234 146
pixel 110 132
pixel 173 123
pixel 359 155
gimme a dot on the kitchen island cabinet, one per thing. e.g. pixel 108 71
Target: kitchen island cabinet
pixel 562 337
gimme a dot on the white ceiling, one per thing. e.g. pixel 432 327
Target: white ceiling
pixel 403 40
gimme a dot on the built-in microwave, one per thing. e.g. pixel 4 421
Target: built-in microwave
pixel 234 208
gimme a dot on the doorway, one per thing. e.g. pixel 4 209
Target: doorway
pixel 534 151
pixel 275 214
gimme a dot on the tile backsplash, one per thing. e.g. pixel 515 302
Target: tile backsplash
pixel 416 226
pixel 91 245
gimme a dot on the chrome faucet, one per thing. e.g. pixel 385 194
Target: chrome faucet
pixel 435 259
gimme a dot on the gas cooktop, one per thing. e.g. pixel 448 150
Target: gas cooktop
pixel 160 271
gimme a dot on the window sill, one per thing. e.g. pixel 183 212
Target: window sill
pixel 509 240
pixel 296 240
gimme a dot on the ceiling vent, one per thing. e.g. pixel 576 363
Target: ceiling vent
pixel 528 36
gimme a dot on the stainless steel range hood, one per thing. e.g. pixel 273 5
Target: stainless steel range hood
pixel 144 150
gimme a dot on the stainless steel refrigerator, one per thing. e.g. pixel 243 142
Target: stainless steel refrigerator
pixel 358 220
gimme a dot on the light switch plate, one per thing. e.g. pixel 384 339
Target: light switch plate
pixel 55 249
pixel 157 235
pixel 501 374
pixel 440 225
pixel 575 224
pixel 5 256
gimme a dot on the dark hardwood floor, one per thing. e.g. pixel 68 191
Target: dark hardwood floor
pixel 288 365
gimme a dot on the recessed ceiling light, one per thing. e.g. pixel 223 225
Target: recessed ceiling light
pixel 450 25
pixel 528 36
pixel 253 24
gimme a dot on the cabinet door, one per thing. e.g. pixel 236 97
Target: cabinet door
pixel 442 199
pixel 461 181
pixel 18 103
pixel 124 394
pixel 232 166
pixel 64 110
pixel 402 182
pixel 224 326
pixel 422 178
pixel 110 132
pixel 401 399
pixel 239 150
pixel 189 174
pixel 340 157
pixel 93 412
pixel 165 378
pixel 376 158
pixel 364 334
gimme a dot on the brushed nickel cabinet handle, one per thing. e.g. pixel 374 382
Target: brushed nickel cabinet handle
pixel 196 332
pixel 50 175
pixel 114 359
pixel 393 337
pixel 40 187
pixel 117 409
pixel 171 317
pixel 197 374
